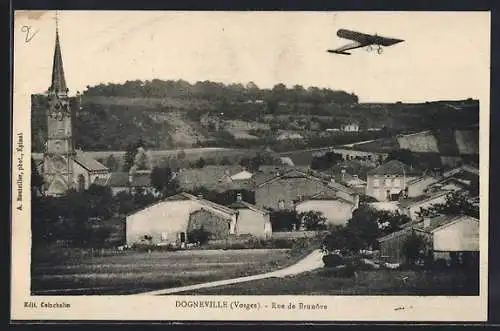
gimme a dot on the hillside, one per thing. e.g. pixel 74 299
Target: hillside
pixel 169 115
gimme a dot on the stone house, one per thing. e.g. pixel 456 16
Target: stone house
pixel 390 180
pixel 411 207
pixel 283 190
pixel 170 220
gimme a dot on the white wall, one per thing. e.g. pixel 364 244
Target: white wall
pixel 254 223
pixel 337 212
pixel 461 236
pixel 166 218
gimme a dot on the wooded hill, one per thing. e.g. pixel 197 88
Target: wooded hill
pixel 172 114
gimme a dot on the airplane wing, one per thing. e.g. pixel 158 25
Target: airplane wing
pixel 343 49
pixel 366 38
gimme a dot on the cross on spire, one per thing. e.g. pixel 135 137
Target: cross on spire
pixel 58 83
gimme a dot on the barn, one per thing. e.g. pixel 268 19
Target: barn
pixel 170 220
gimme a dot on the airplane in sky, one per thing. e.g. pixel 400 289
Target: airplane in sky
pixel 363 40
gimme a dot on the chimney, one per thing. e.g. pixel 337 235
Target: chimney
pixel 427 222
pixel 239 197
pixel 200 196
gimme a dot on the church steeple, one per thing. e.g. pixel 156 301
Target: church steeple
pixel 58 83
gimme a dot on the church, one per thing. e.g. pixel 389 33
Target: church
pixel 62 167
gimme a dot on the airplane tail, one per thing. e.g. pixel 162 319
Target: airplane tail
pixel 338 52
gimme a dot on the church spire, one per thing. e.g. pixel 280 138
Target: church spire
pixel 58 84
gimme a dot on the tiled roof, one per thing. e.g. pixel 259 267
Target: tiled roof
pixel 89 163
pixel 203 202
pixel 246 205
pixel 394 167
pixel 208 176
pixel 439 221
pixel 403 203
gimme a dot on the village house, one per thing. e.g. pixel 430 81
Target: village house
pixel 210 177
pixel 418 186
pixel 351 181
pixel 350 127
pixel 335 209
pixel 390 180
pixel 170 220
pixel 138 182
pixel 283 190
pixel 454 238
pixel 251 219
pixel 412 207
pixel 450 237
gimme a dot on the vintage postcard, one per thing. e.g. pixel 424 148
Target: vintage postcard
pixel 284 166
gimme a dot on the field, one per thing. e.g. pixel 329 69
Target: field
pixel 376 282
pixel 133 272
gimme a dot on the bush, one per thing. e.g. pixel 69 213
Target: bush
pixel 332 260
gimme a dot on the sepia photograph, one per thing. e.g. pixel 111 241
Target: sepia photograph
pixel 217 154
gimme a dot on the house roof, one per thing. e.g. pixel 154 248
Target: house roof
pixel 209 176
pixel 394 167
pixel 405 203
pixel 452 221
pixel 245 205
pixel 294 173
pixel 204 202
pixel 396 234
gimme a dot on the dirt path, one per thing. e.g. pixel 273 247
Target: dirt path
pixel 311 262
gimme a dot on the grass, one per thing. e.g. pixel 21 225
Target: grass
pixel 376 282
pixel 134 272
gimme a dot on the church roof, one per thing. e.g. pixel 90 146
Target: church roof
pixel 89 163
pixel 58 83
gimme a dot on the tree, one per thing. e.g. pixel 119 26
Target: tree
pixel 313 220
pixel 200 163
pixel 162 180
pixel 130 154
pixel 414 248
pixel 365 226
pixel 457 203
pixel 343 239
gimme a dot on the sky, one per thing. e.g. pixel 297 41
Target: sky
pixel 445 55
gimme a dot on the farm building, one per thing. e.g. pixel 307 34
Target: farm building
pixel 170 220
pixel 284 189
pixel 251 219
pixel 449 236
pixel 456 238
pixel 391 245
pixel 337 210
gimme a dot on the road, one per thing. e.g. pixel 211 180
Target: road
pixel 311 262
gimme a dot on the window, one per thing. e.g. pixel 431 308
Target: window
pixel 281 204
